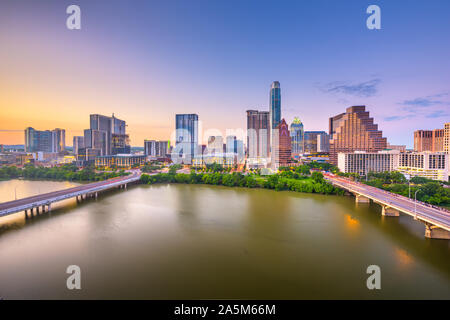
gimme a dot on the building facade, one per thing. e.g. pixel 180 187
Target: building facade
pixel 352 131
pixel 431 165
pixel 365 162
pixel 281 154
pixel 275 104
pixel 447 138
pixel 297 137
pixel 186 138
pixel 154 148
pixel 45 141
pixel 258 137
pixel 123 161
pixel 323 142
pixel 311 139
pixel 78 144
pixel 429 140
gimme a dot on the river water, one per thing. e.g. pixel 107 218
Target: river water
pixel 198 242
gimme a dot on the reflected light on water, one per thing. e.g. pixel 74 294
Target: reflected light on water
pixel 351 223
pixel 403 257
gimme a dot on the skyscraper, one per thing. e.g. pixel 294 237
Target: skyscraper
pixel 281 154
pixel 423 140
pixel 258 136
pixel 155 148
pixel 353 131
pixel 323 142
pixel 78 144
pixel 447 137
pixel 186 140
pixel 108 134
pixel 297 136
pixel 275 104
pixel 311 140
pixel 45 141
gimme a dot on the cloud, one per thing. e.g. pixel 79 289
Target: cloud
pixel 438 114
pixel 396 118
pixel 423 102
pixel 362 89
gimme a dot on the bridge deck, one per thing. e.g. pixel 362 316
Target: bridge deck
pixel 434 216
pixel 14 206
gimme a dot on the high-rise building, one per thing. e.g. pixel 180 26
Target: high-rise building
pixel 108 134
pixel 186 143
pixel 258 137
pixel 275 104
pixel 437 143
pixel 153 148
pixel 215 145
pixel 354 130
pixel 78 144
pixel 311 139
pixel 423 140
pixel 45 141
pixel 323 142
pixel 60 139
pixel 297 137
pixel 429 140
pixel 447 138
pixel 281 154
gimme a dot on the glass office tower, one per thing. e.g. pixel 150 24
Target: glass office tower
pixel 275 104
pixel 186 146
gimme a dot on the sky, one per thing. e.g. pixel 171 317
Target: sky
pixel 145 61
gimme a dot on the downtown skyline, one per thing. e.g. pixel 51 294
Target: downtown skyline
pixel 146 65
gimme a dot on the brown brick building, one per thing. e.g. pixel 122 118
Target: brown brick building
pixel 352 131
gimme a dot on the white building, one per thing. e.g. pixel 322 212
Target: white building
pixel 365 162
pixel 431 165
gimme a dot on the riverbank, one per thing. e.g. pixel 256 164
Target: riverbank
pixel 67 172
pixel 313 183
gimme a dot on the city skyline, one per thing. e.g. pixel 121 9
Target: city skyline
pixel 119 63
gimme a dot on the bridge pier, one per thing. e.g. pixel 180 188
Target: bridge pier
pixel 389 212
pixel 434 232
pixel 361 199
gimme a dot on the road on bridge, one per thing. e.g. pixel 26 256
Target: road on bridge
pixel 439 216
pixel 44 196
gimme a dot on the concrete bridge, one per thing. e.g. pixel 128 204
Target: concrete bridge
pixel 437 221
pixel 43 202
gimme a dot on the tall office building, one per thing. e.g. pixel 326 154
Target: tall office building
pixel 423 140
pixel 108 134
pixel 45 141
pixel 154 148
pixel 215 145
pixel 297 137
pixel 258 136
pixel 78 144
pixel 323 142
pixel 437 143
pixel 429 140
pixel 447 138
pixel 281 154
pixel 354 130
pixel 275 104
pixel 60 139
pixel 311 140
pixel 186 138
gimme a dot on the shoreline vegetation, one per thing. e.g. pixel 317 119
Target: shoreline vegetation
pixel 305 178
pixel 298 179
pixel 67 172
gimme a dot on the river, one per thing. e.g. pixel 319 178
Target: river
pixel 198 242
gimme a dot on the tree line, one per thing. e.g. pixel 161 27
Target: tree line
pixel 67 172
